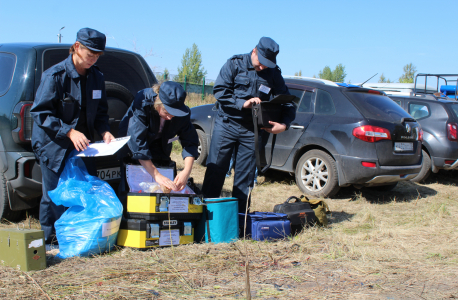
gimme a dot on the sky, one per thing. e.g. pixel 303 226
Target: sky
pixel 367 37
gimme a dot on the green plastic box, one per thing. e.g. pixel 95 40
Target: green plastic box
pixel 23 249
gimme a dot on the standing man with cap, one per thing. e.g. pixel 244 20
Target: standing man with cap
pixel 244 80
pixel 153 122
pixel 70 103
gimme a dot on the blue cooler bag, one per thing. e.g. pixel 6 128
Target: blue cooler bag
pixel 261 226
pixel 219 223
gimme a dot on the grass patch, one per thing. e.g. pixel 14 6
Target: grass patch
pixel 375 247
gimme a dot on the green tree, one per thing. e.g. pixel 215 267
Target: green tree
pixel 409 73
pixel 166 74
pixel 298 73
pixel 326 73
pixel 191 66
pixel 382 79
pixel 337 75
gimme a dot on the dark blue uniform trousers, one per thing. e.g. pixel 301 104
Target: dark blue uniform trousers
pixel 229 136
pixel 49 212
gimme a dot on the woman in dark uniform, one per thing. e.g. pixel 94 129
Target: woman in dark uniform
pixel 156 117
pixel 69 105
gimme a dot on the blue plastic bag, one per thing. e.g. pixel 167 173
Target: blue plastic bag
pixel 91 223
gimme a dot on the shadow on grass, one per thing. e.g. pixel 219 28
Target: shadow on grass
pixel 272 176
pixel 443 177
pixel 403 192
pixel 339 216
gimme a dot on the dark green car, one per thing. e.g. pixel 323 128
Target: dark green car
pixel 21 66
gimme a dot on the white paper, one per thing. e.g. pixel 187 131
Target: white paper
pixel 111 227
pixel 96 94
pixel 103 149
pixel 36 243
pixel 137 174
pixel 169 237
pixel 264 89
pixel 178 204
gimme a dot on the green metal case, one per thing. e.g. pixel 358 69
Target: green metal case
pixel 22 248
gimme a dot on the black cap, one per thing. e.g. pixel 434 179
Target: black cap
pixel 92 39
pixel 267 52
pixel 172 96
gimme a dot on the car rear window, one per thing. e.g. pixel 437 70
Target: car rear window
pixel 454 109
pixel 374 106
pixel 7 66
pixel 122 68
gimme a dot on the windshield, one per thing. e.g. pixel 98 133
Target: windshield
pixel 378 107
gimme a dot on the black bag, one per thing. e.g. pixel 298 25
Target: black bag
pixel 263 113
pixel 270 110
pixel 299 213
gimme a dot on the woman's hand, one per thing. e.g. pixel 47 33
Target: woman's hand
pixel 78 139
pixel 107 137
pixel 181 180
pixel 164 181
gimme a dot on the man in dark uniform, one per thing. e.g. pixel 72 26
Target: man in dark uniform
pixel 244 80
pixel 70 103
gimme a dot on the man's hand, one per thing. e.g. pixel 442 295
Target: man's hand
pixel 276 129
pixel 249 103
pixel 78 139
pixel 162 180
pixel 107 137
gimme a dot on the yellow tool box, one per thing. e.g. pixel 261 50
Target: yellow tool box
pixel 22 248
pixel 158 206
pixel 142 234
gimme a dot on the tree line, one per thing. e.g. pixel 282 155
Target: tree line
pixel 339 74
pixel 193 70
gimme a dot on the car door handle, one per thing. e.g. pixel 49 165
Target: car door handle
pixel 296 127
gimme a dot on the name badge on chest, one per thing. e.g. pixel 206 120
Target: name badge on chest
pixel 96 94
pixel 264 89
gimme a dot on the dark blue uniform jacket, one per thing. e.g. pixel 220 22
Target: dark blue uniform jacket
pixel 238 81
pixel 143 130
pixel 53 117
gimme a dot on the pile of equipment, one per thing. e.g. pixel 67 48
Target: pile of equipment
pixel 159 219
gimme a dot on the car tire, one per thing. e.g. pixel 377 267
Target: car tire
pixel 425 168
pixel 5 210
pixel 317 183
pixel 202 148
pixel 119 100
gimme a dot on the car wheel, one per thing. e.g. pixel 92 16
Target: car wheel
pixel 316 174
pixel 202 149
pixel 425 168
pixel 119 99
pixel 5 210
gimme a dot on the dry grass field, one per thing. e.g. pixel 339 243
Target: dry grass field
pixel 401 244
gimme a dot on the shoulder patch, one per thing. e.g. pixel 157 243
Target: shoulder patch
pixel 238 56
pixel 57 68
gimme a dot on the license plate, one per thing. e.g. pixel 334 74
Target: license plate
pixel 401 147
pixel 109 174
